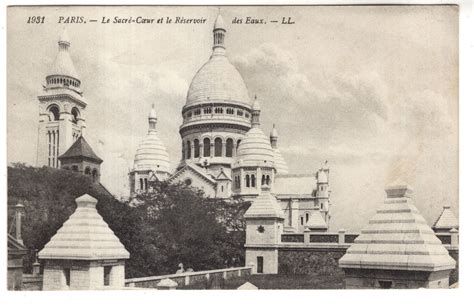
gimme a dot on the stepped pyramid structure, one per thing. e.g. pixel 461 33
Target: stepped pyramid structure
pixel 84 253
pixel 446 221
pixel 397 249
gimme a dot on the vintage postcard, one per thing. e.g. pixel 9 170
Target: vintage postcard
pixel 232 147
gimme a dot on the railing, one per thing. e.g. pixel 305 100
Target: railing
pixel 449 239
pixel 185 279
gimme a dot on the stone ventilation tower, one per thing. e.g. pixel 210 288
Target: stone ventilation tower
pixel 61 108
pixel 152 161
pixel 264 226
pixel 254 167
pixel 84 254
pixel 397 249
pixel 216 115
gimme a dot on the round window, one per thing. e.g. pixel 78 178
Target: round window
pixel 188 181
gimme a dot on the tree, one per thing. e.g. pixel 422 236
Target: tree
pixel 170 224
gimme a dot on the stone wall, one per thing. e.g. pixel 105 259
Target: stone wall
pixel 310 261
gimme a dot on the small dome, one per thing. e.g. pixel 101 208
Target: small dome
pixel 280 163
pixel 217 80
pixel 255 149
pixel 152 155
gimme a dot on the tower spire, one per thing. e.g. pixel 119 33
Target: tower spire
pixel 256 113
pixel 219 31
pixel 152 119
pixel 274 137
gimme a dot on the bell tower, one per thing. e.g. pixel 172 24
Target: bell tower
pixel 61 108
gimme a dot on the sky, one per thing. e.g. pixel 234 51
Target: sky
pixel 373 90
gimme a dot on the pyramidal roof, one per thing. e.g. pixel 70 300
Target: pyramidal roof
pixel 397 238
pixel 446 220
pixel 82 149
pixel 265 206
pixel 316 221
pixel 84 236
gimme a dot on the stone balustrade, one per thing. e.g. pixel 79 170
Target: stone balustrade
pixel 449 239
pixel 188 278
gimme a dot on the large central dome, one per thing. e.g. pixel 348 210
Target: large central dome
pixel 217 80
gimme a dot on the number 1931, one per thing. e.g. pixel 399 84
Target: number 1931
pixel 35 19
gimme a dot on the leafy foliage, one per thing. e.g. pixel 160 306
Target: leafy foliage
pixel 168 225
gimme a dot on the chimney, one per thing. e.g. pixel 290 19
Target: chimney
pixel 19 209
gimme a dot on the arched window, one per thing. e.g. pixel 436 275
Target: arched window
pixel 301 220
pixel 238 182
pixel 253 181
pixel 75 168
pixel 247 181
pixel 53 113
pixel 307 217
pixel 141 184
pixel 267 180
pixel 146 183
pixel 75 115
pixel 87 171
pixel 188 150
pixel 218 147
pixel 196 148
pixel 229 147
pixel 95 175
pixel 207 147
pixel 263 179
pixel 238 143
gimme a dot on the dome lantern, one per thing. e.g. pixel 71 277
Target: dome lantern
pixel 152 119
pixel 219 36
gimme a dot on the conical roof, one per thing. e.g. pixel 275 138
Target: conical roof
pixel 265 206
pixel 397 238
pixel 63 65
pixel 316 221
pixel 84 236
pixel 219 23
pixel 446 220
pixel 80 149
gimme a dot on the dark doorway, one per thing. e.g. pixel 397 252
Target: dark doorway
pixel 259 264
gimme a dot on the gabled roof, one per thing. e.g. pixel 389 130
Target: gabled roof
pixel 80 149
pixel 84 236
pixel 446 220
pixel 398 238
pixel 223 176
pixel 195 169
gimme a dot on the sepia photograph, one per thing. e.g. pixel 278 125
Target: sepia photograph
pixel 232 147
